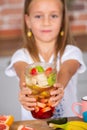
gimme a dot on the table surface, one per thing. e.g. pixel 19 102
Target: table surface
pixel 37 124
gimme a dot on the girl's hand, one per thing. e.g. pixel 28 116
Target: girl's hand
pixel 26 98
pixel 56 94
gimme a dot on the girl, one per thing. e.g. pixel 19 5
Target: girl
pixel 48 39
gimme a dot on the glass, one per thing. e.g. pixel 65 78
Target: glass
pixel 40 77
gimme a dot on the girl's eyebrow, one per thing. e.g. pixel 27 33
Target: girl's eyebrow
pixel 37 12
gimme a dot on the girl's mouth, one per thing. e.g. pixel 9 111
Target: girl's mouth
pixel 46 31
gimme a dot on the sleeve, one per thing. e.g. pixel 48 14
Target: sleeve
pixel 73 52
pixel 19 55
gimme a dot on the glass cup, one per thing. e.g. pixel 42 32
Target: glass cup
pixel 40 78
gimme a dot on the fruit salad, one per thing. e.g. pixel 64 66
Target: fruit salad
pixel 40 77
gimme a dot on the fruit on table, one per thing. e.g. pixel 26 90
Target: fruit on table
pixel 71 125
pixel 23 127
pixel 62 120
pixel 3 126
pixel 8 120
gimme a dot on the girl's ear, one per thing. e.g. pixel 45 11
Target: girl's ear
pixel 27 21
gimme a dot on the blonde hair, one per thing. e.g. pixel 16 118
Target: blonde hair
pixel 62 41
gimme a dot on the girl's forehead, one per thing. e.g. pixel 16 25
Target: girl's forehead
pixel 45 4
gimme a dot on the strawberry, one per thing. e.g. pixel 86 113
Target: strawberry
pixel 48 70
pixel 33 71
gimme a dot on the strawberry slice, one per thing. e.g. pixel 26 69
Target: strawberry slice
pixel 41 105
pixel 37 109
pixel 23 127
pixel 48 70
pixel 46 109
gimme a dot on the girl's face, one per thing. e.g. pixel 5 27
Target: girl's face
pixel 45 18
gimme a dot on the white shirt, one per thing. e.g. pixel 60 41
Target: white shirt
pixel 64 109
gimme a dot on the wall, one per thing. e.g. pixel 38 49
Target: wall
pixel 11 17
pixel 78 16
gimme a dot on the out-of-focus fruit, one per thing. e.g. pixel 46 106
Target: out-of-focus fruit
pixel 6 119
pixel 39 68
pixel 51 79
pixel 48 70
pixel 33 71
pixel 61 120
pixel 71 125
pixel 23 127
pixel 3 126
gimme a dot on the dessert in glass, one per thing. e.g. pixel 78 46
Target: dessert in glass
pixel 40 78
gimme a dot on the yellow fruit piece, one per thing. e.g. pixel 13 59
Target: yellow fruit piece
pixel 80 124
pixel 10 120
pixel 45 94
pixel 71 125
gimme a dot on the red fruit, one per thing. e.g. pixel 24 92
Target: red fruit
pixel 6 119
pixel 22 127
pixel 46 109
pixel 42 105
pixel 48 71
pixel 3 126
pixel 33 71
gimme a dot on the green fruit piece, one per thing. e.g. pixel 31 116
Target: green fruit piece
pixel 58 121
pixel 51 79
pixel 39 68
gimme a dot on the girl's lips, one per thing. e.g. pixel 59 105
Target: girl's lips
pixel 46 31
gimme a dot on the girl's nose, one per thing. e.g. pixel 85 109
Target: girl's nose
pixel 46 21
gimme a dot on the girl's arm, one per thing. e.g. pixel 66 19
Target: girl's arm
pixel 20 71
pixel 67 70
pixel 25 94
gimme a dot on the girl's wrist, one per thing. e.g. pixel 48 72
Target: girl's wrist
pixel 59 85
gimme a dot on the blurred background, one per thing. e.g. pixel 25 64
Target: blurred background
pixel 11 40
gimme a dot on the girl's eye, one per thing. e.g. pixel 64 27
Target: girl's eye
pixel 38 16
pixel 54 16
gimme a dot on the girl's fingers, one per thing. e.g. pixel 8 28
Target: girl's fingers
pixel 25 91
pixel 29 105
pixel 56 95
pixel 28 108
pixel 56 99
pixel 27 100
pixel 57 91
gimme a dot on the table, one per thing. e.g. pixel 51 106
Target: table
pixel 37 124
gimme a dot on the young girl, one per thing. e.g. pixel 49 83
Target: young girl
pixel 48 39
